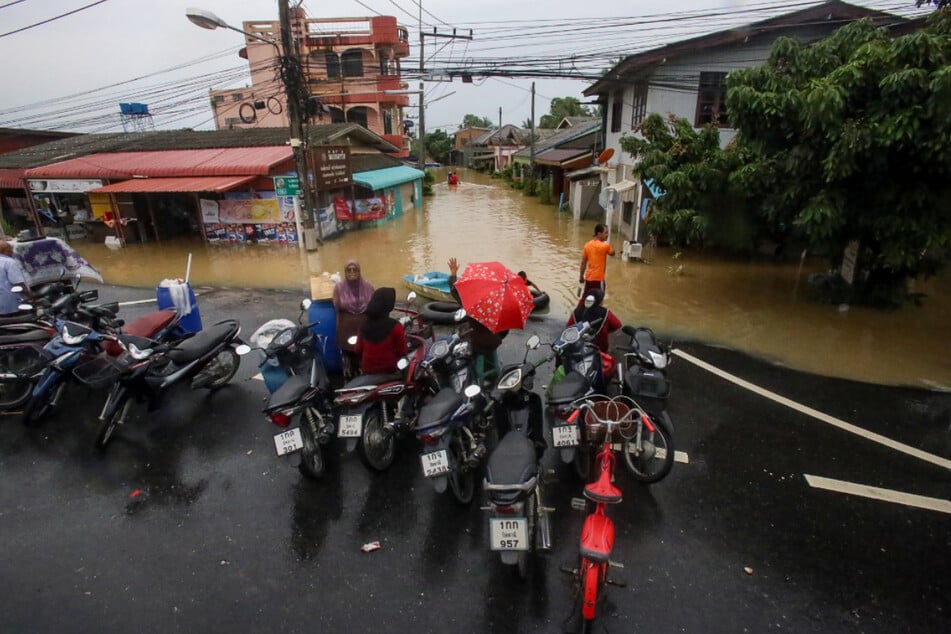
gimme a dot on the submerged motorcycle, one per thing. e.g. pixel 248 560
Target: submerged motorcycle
pixel 294 373
pixel 519 521
pixel 148 369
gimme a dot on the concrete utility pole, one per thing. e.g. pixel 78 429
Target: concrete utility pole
pixel 532 128
pixel 294 89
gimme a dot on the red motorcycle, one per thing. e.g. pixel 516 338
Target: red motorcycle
pixel 603 417
pixel 376 408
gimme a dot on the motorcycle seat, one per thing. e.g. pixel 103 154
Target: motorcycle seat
pixel 289 393
pixel 365 380
pixel 513 461
pixel 146 326
pixel 20 317
pixel 438 409
pixel 37 334
pixel 570 388
pixel 601 490
pixel 597 537
pixel 194 347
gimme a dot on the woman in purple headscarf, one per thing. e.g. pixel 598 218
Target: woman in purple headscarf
pixel 351 296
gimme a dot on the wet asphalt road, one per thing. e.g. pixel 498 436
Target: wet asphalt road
pixel 190 522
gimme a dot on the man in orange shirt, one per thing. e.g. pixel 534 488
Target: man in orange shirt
pixel 595 260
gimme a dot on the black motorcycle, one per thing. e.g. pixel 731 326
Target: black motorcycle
pixel 518 519
pixel 294 372
pixel 149 369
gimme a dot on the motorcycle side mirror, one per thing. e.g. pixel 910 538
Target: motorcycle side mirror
pixel 472 391
pixel 459 315
pixel 305 304
pixel 243 349
pixel 352 340
pixel 533 342
pixel 411 297
pixel 402 364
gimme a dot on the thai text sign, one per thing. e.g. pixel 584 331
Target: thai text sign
pixel 331 167
pixel 286 185
pixel 360 209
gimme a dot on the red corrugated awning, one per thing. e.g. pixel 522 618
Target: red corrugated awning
pixel 243 161
pixel 11 178
pixel 184 184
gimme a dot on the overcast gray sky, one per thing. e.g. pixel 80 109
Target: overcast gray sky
pixel 70 73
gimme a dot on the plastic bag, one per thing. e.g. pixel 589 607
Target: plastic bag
pixel 263 336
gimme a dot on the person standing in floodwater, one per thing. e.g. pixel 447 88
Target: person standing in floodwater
pixel 594 261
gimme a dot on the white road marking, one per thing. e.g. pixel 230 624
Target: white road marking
pixel 137 301
pixel 679 456
pixel 876 493
pixel 831 420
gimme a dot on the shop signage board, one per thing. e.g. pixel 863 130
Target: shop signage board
pixel 64 186
pixel 331 167
pixel 286 185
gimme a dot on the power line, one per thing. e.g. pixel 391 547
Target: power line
pixel 53 19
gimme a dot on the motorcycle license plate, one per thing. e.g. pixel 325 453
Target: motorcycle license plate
pixel 508 533
pixel 350 426
pixel 288 441
pixel 435 463
pixel 566 435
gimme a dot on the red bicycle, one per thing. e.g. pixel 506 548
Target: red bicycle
pixel 603 417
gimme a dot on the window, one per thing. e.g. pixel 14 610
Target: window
pixel 384 66
pixel 387 122
pixel 711 100
pixel 333 65
pixel 358 115
pixel 352 62
pixel 237 96
pixel 616 110
pixel 627 213
pixel 639 101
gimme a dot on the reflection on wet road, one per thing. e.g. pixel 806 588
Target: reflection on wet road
pixel 755 307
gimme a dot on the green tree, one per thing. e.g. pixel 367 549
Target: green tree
pixel 850 139
pixel 700 206
pixel 562 107
pixel 475 121
pixel 438 146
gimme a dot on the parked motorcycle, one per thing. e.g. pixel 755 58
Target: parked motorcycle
pixel 294 373
pixel 518 519
pixel 582 370
pixel 149 369
pixel 642 373
pixel 374 409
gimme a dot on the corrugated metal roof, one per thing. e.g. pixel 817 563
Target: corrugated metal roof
pixel 208 162
pixel 376 180
pixel 185 184
pixel 557 157
pixel 11 179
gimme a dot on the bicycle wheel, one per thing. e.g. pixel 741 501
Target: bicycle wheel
pixel 651 458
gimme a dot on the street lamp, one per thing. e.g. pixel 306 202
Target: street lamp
pixel 208 20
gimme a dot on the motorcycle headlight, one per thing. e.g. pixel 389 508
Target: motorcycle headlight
pixel 73 339
pixel 511 380
pixel 659 360
pixel 570 335
pixel 284 337
pixel 439 349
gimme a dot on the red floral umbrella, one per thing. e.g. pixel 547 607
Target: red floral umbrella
pixel 494 296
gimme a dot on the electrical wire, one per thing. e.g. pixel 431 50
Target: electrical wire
pixel 53 19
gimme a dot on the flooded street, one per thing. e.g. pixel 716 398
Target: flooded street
pixel 758 308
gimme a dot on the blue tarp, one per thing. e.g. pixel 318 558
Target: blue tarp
pixel 377 180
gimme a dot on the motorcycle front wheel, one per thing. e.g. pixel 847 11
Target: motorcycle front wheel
pixel 223 368
pixel 377 448
pixel 461 479
pixel 651 459
pixel 584 457
pixel 37 408
pixel 312 462
pixel 14 393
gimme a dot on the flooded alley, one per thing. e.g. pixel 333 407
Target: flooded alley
pixel 756 307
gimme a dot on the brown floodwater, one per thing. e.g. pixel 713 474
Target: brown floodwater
pixel 756 307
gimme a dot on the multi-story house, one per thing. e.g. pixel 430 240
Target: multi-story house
pixel 352 72
pixel 688 79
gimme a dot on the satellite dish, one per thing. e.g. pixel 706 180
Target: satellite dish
pixel 606 155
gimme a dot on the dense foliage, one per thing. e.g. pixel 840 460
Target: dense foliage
pixel 438 146
pixel 562 107
pixel 475 121
pixel 848 139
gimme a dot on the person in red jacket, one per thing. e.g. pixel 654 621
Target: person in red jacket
pixel 381 341
pixel 609 321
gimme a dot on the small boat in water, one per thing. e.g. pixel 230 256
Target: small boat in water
pixel 433 285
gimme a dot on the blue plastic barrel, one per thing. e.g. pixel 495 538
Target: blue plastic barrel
pixel 191 321
pixel 322 310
